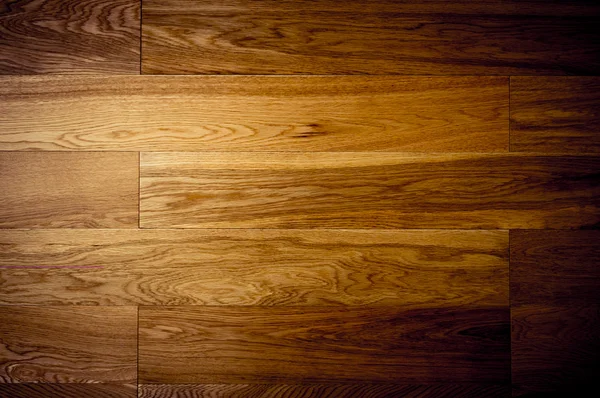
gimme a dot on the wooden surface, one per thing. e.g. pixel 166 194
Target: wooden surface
pixel 391 190
pixel 555 309
pixel 322 391
pixel 75 190
pixel 555 114
pixel 370 37
pixel 69 36
pixel 68 344
pixel 64 390
pixel 254 267
pixel 317 344
pixel 237 113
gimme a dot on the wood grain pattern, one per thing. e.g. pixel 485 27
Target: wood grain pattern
pixel 237 113
pixel 370 37
pixel 555 310
pixel 555 114
pixel 320 344
pixel 68 344
pixel 61 390
pixel 359 190
pixel 74 190
pixel 322 391
pixel 254 267
pixel 70 36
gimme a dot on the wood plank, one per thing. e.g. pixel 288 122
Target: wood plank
pixel 359 190
pixel 251 345
pixel 555 309
pixel 370 37
pixel 70 36
pixel 322 390
pixel 555 114
pixel 75 190
pixel 68 344
pixel 254 267
pixel 256 113
pixel 56 390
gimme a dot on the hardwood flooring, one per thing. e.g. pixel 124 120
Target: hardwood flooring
pixel 282 199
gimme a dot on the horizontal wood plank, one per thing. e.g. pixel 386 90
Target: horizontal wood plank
pixel 412 269
pixel 70 37
pixel 68 344
pixel 370 37
pixel 75 190
pixel 555 114
pixel 72 390
pixel 237 113
pixel 323 344
pixel 359 190
pixel 322 391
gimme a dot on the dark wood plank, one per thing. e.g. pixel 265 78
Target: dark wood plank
pixel 315 344
pixel 372 37
pixel 70 36
pixel 254 267
pixel 56 390
pixel 237 113
pixel 359 190
pixel 68 190
pixel 322 391
pixel 555 114
pixel 555 310
pixel 68 344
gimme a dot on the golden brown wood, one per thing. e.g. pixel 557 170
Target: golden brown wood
pixel 360 190
pixel 56 390
pixel 68 190
pixel 322 391
pixel 254 267
pixel 237 113
pixel 372 37
pixel 555 310
pixel 68 344
pixel 69 36
pixel 555 114
pixel 320 344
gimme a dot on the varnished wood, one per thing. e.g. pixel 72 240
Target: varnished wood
pixel 555 114
pixel 62 390
pixel 555 310
pixel 359 190
pixel 370 37
pixel 322 391
pixel 237 113
pixel 68 344
pixel 68 190
pixel 320 344
pixel 69 36
pixel 412 269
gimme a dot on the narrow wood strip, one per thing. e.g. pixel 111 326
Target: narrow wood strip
pixel 555 114
pixel 69 36
pixel 56 390
pixel 319 344
pixel 237 113
pixel 75 190
pixel 359 190
pixel 68 344
pixel 412 269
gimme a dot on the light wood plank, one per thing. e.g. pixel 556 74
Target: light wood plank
pixel 56 390
pixel 74 190
pixel 68 344
pixel 370 37
pixel 360 190
pixel 254 267
pixel 237 113
pixel 322 391
pixel 321 344
pixel 70 36
pixel 555 114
